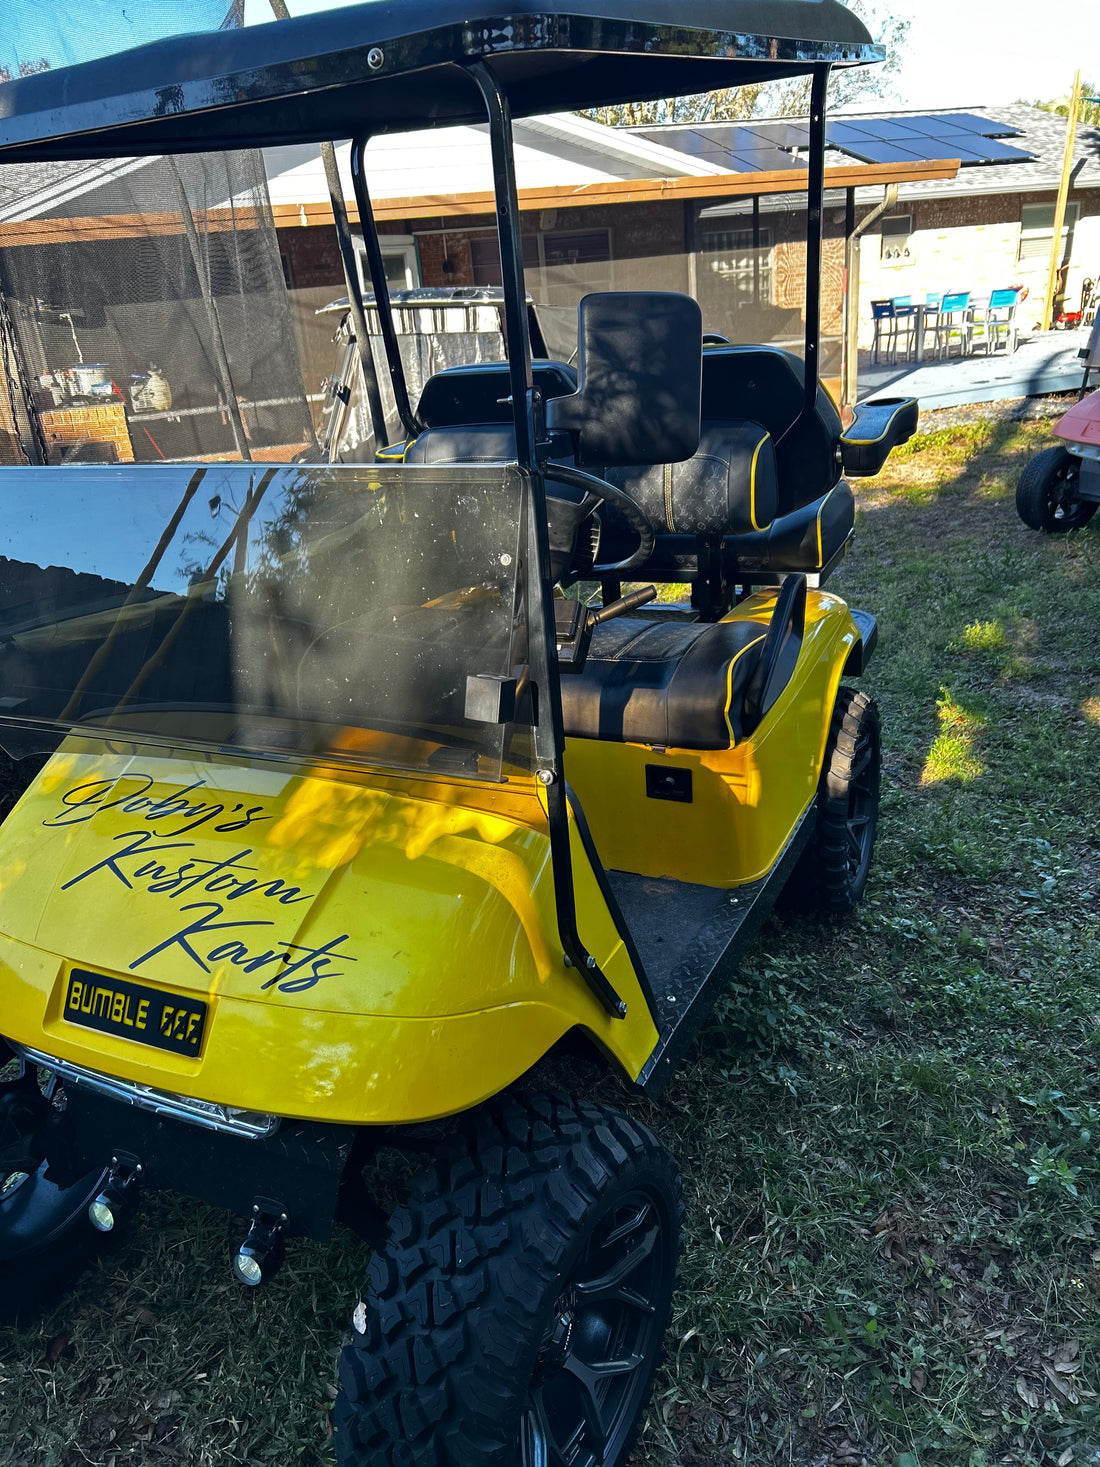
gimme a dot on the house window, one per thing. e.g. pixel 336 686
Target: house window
pixel 1037 231
pixel 561 266
pixel 895 238
pixel 743 270
pixel 580 247
pixel 399 257
pixel 485 258
pixel 574 262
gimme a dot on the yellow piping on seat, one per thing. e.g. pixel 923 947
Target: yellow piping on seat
pixel 752 481
pixel 729 685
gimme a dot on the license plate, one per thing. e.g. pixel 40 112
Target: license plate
pixel 132 1011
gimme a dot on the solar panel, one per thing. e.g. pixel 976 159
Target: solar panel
pixel 980 149
pixel 766 160
pixel 783 134
pixel 885 129
pixel 969 122
pixel 839 132
pixel 885 152
pixel 756 147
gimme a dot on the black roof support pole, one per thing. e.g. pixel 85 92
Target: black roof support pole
pixel 377 268
pixel 506 193
pixel 815 210
pixel 355 295
pixel 528 418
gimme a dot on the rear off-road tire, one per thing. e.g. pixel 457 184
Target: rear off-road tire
pixel 515 1317
pixel 1047 493
pixel 832 871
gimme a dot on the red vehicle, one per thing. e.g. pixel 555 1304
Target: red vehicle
pixel 1060 488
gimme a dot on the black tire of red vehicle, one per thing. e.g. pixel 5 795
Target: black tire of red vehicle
pixel 516 1316
pixel 831 874
pixel 1046 493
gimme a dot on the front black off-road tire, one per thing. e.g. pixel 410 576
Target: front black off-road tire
pixel 1048 493
pixel 516 1316
pixel 832 871
pixel 46 1238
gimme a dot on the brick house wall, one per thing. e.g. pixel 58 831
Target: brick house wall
pixel 973 244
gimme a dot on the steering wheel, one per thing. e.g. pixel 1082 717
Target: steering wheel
pixel 597 492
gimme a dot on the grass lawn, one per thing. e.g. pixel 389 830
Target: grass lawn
pixel 888 1133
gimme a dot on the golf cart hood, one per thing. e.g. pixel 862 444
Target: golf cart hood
pixel 220 879
pixel 349 942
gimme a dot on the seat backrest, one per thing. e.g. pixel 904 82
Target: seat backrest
pixel 1002 298
pixel 766 385
pixel 482 393
pixel 728 488
pixel 957 301
pixel 882 310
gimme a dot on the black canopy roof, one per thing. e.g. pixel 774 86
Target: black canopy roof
pixel 396 65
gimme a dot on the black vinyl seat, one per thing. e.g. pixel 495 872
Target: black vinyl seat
pixel 674 684
pixel 767 384
pixel 482 392
pixel 808 539
pixel 728 487
pixel 728 497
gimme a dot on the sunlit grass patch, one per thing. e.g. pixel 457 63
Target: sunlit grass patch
pixel 984 636
pixel 1091 709
pixel 952 755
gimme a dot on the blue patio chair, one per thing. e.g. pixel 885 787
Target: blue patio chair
pixel 906 316
pixel 927 318
pixel 1000 320
pixel 953 323
pixel 886 330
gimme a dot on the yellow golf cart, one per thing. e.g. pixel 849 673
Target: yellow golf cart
pixel 346 808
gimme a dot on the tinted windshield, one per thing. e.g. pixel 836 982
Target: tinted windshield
pixel 302 610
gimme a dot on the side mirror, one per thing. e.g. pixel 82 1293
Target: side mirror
pixel 641 364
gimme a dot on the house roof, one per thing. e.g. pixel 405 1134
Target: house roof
pixel 562 160
pixel 561 150
pixel 1038 136
pixel 1042 134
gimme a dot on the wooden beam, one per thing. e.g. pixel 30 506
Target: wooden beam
pixel 449 206
pixel 637 191
pixel 124 226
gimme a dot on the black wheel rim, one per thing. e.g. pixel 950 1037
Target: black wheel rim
pixel 862 804
pixel 597 1355
pixel 1065 506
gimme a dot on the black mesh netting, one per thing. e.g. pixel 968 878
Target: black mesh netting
pixel 147 313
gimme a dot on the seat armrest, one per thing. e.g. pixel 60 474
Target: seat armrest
pixel 877 428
